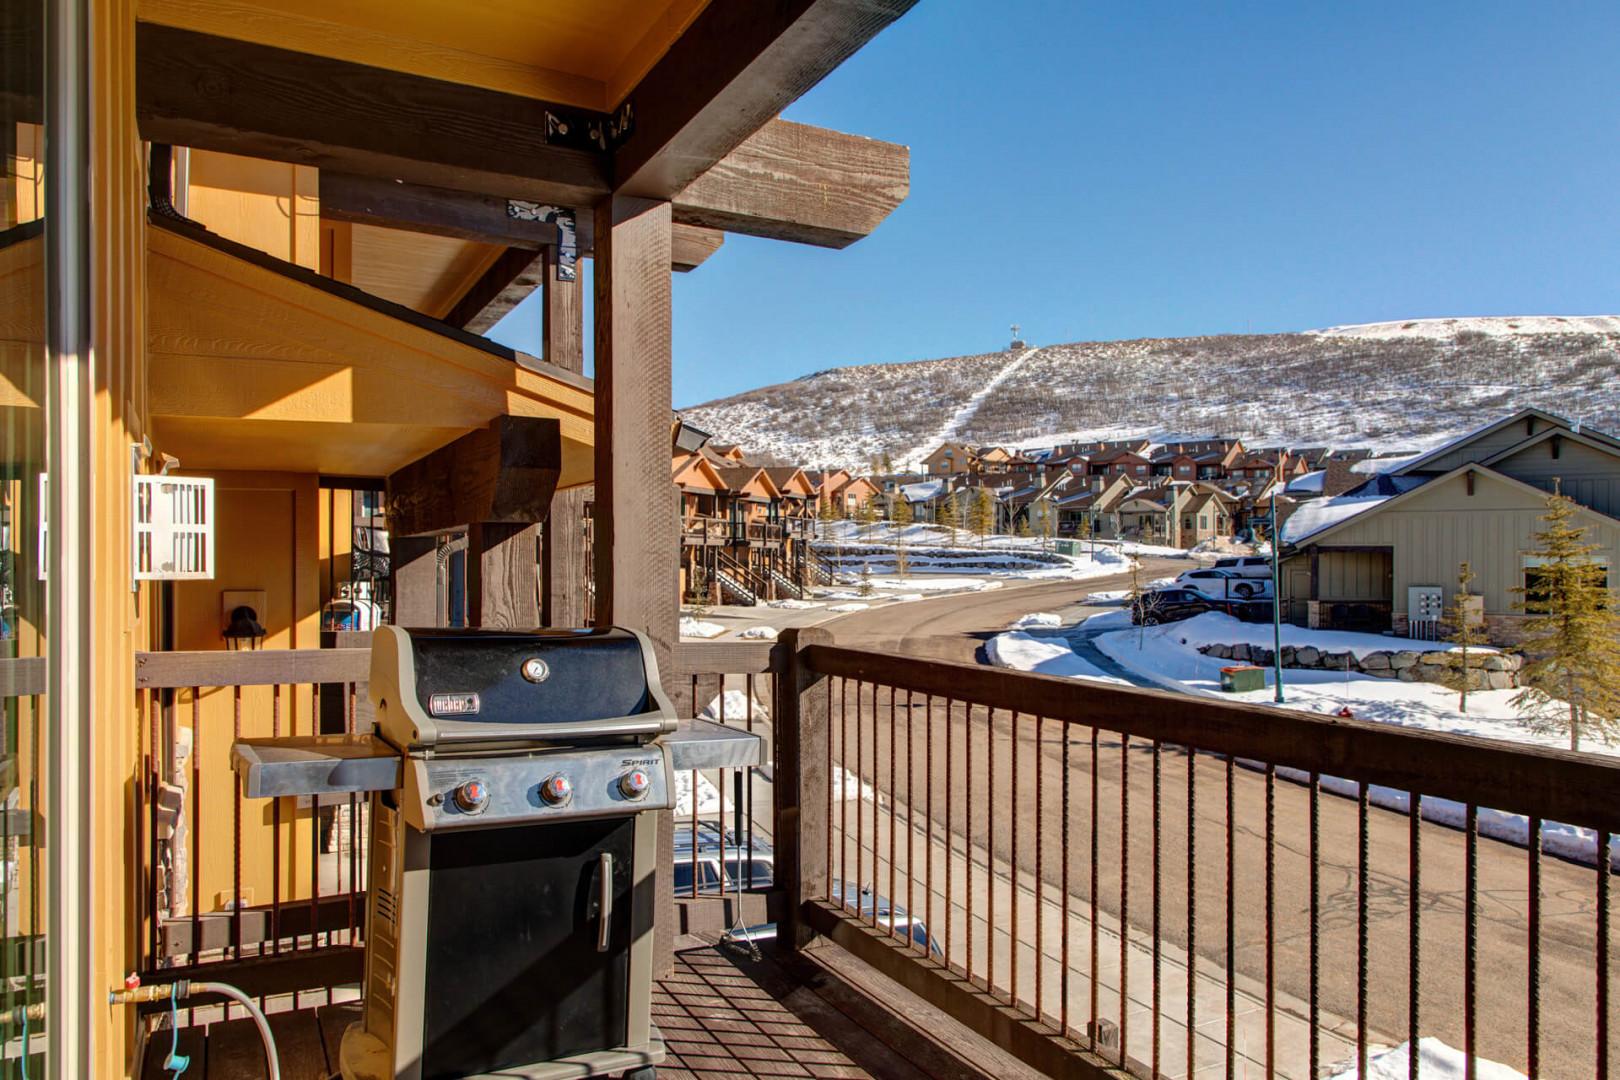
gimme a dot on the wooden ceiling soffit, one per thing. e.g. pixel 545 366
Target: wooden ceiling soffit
pixel 217 93
pixel 738 65
pixel 503 473
pixel 796 182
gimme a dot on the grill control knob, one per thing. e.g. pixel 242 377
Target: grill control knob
pixel 472 796
pixel 556 789
pixel 635 784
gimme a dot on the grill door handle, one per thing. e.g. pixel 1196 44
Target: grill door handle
pixel 605 903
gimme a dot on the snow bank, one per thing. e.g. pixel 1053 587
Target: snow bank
pixel 1436 1061
pixel 708 796
pixel 699 628
pixel 1111 596
pixel 849 607
pixel 847 786
pixel 758 633
pixel 1044 656
pixel 792 605
pixel 1218 628
pixel 1036 619
pixel 732 706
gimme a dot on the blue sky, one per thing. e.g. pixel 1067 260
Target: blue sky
pixel 1118 170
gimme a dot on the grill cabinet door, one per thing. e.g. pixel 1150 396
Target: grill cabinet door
pixel 514 976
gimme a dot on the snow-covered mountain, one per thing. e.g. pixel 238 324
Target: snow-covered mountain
pixel 1407 384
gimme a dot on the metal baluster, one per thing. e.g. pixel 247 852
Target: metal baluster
pixel 1533 972
pixel 1063 848
pixel 1158 821
pixel 1470 936
pixel 1012 864
pixel 1271 912
pixel 928 818
pixel 1095 965
pixel 1040 877
pixel 843 794
pixel 1124 895
pixel 1361 929
pixel 967 864
pixel 236 827
pixel 745 782
pixel 275 830
pixel 990 850
pixel 720 793
pixel 950 842
pixel 1414 944
pixel 1605 866
pixel 911 811
pixel 314 832
pixel 860 804
pixel 894 896
pixel 1316 924
pixel 876 800
pixel 196 827
pixel 1192 911
pixel 1231 934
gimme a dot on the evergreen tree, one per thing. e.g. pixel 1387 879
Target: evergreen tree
pixel 888 463
pixel 866 579
pixel 902 518
pixel 981 513
pixel 866 517
pixel 952 511
pixel 1467 632
pixel 824 512
pixel 1571 640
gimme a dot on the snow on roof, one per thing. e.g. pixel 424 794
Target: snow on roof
pixel 922 492
pixel 1312 517
pixel 1370 466
pixel 1310 482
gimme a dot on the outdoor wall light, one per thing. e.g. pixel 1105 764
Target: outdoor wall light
pixel 243 627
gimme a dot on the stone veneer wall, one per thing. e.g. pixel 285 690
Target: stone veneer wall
pixel 1486 671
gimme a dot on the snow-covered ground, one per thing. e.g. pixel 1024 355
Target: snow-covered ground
pixel 1436 1061
pixel 1494 325
pixel 1168 656
pixel 958 420
pixel 932 550
pixel 692 627
pixel 1036 620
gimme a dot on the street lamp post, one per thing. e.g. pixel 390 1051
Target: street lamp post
pixel 1276 604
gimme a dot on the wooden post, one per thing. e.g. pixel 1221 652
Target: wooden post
pixel 635 534
pixel 503 586
pixel 413 572
pixel 562 536
pixel 801 784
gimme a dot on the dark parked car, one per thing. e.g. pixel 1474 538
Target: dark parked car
pixel 1171 605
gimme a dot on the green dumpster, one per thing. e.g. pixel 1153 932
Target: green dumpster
pixel 1241 677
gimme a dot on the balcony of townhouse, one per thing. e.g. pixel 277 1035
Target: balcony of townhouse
pixel 977 872
pixel 700 530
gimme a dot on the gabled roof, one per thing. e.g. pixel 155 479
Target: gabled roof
pixel 694 471
pixel 1597 440
pixel 1569 427
pixel 1331 515
pixel 743 477
pixel 791 481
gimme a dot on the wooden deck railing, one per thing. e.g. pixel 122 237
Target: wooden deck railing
pixel 274 889
pixel 1125 878
pixel 1093 877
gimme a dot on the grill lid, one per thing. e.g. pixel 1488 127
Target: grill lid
pixel 511 689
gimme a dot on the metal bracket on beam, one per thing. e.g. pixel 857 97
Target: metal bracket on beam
pixel 567 234
pixel 589 131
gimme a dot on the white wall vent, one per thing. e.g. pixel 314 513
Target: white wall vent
pixel 173 538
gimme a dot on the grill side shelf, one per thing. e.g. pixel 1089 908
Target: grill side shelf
pixel 315 765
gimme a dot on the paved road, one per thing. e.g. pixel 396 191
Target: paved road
pixel 955 628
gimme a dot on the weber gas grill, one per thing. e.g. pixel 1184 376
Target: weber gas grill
pixel 511 893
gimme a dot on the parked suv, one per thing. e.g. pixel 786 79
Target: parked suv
pixel 742 867
pixel 1221 583
pixel 1170 605
pixel 1250 566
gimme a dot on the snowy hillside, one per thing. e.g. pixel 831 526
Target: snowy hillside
pixel 1389 385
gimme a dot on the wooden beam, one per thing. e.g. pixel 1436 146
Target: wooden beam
pixel 796 182
pixel 460 215
pixel 503 473
pixel 503 576
pixel 515 274
pixel 564 555
pixel 739 64
pixel 235 96
pixel 690 245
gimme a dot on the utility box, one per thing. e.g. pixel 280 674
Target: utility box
pixel 1240 677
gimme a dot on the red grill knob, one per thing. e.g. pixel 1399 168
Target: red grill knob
pixel 556 790
pixel 472 796
pixel 635 784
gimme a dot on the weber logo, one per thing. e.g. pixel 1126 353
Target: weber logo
pixel 453 704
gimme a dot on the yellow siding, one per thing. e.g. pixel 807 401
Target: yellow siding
pixel 268 205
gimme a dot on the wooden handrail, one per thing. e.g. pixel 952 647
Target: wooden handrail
pixel 727 658
pixel 1557 785
pixel 256 667
pixel 22 676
